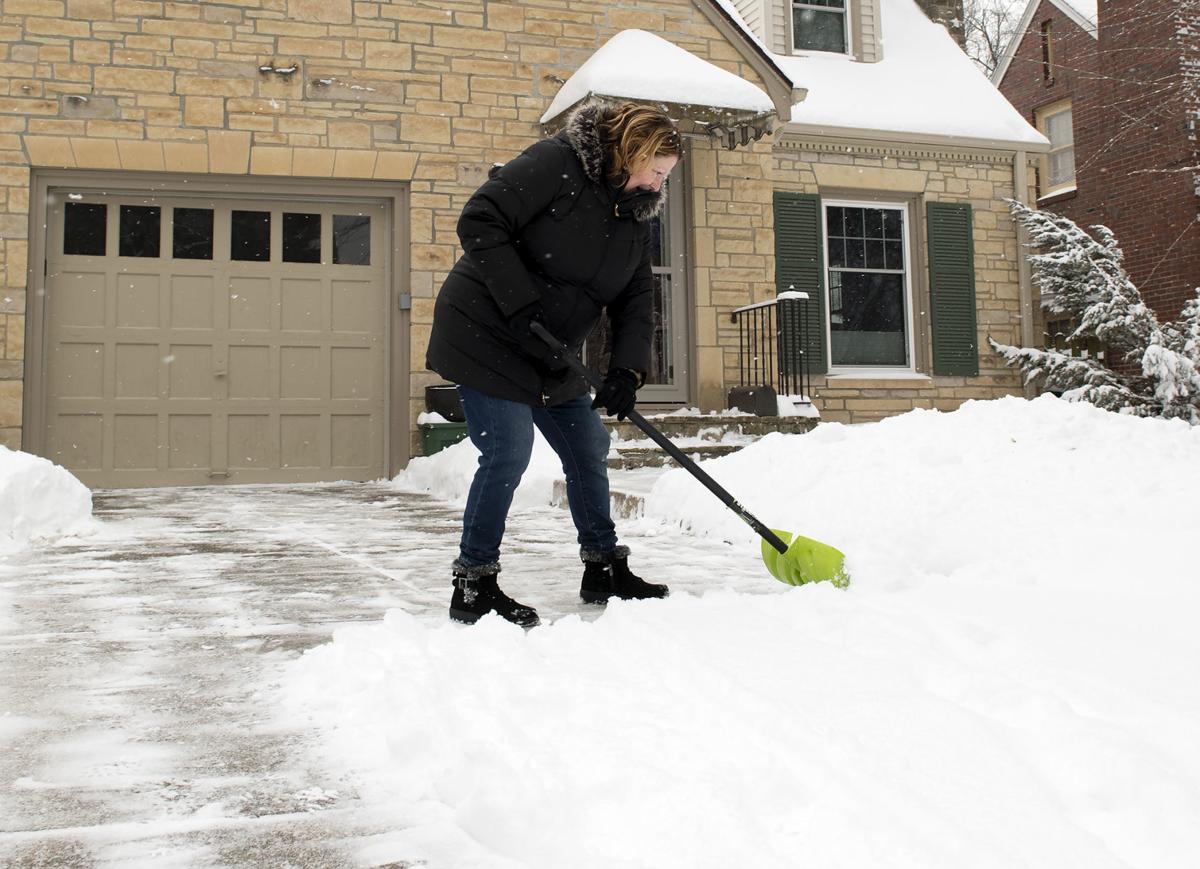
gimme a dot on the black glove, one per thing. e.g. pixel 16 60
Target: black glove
pixel 531 345
pixel 618 394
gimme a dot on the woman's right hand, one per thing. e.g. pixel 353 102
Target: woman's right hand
pixel 531 344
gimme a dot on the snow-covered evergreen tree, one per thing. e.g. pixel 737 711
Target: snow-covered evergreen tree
pixel 1084 278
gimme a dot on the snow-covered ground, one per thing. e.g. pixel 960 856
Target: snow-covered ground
pixel 1009 680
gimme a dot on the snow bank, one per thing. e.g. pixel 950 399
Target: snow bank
pixel 1008 486
pixel 38 500
pixel 447 474
pixel 1009 681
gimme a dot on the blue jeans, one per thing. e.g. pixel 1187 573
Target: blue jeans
pixel 502 431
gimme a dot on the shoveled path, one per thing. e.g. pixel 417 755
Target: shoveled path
pixel 136 663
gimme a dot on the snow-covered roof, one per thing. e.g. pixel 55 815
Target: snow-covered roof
pixel 638 65
pixel 925 87
pixel 1082 12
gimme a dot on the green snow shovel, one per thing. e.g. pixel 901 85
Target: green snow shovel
pixel 791 559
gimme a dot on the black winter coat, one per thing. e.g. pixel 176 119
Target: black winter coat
pixel 547 225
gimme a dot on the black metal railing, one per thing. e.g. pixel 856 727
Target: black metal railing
pixel 771 346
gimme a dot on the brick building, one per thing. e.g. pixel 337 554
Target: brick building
pixel 223 225
pixel 1114 85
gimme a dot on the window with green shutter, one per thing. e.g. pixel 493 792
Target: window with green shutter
pixel 800 265
pixel 952 289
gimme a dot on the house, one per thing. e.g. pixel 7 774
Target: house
pixel 1116 89
pixel 224 224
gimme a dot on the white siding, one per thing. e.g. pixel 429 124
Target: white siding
pixel 752 13
pixel 779 27
pixel 865 21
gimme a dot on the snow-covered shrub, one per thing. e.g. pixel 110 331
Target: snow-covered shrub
pixel 1083 277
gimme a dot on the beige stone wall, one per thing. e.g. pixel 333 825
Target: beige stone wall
pixel 422 93
pixel 981 179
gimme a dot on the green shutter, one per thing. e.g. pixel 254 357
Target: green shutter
pixel 800 265
pixel 952 289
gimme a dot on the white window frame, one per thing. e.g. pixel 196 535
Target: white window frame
pixel 868 371
pixel 1043 115
pixel 791 28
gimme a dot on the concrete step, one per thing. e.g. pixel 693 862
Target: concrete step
pixel 632 454
pixel 713 426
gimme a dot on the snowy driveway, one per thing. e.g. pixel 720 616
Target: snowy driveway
pixel 134 663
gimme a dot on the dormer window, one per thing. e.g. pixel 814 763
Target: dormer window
pixel 819 25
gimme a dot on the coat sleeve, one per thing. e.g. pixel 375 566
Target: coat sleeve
pixel 631 316
pixel 493 217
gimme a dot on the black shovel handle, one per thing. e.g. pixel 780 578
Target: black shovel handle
pixel 662 440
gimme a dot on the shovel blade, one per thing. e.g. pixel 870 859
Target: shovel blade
pixel 806 560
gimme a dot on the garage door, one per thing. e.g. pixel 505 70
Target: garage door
pixel 199 340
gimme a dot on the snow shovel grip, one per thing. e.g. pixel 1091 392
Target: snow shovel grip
pixel 663 441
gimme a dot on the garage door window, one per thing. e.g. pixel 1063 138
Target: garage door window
pixel 141 229
pixel 301 238
pixel 84 228
pixel 192 233
pixel 351 240
pixel 250 236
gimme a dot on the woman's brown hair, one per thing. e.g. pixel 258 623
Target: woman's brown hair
pixel 634 135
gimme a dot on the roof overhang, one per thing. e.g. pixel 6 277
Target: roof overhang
pixel 703 98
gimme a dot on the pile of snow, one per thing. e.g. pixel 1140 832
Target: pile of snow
pixel 38 501
pixel 447 474
pixel 1000 485
pixel 1009 680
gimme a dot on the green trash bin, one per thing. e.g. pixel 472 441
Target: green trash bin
pixel 436 436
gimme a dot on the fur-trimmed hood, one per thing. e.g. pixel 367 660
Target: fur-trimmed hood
pixel 582 134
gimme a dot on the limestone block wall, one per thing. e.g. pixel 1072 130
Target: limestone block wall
pixel 982 179
pixel 426 94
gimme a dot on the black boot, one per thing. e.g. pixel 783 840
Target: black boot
pixel 475 597
pixel 608 576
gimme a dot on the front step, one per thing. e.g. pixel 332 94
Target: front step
pixel 700 437
pixel 634 455
pixel 712 426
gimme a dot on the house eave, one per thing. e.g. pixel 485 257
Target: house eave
pixel 731 127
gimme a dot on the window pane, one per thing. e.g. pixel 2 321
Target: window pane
pixel 1062 167
pixel 141 229
pixel 837 253
pixel 874 222
pixel 856 255
pixel 192 233
pixel 84 228
pixel 867 319
pixel 1058 129
pixel 875 259
pixel 819 31
pixel 351 240
pixel 893 255
pixel 301 238
pixel 250 236
pixel 662 368
pixel 891 223
pixel 833 220
pixel 656 242
pixel 854 223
